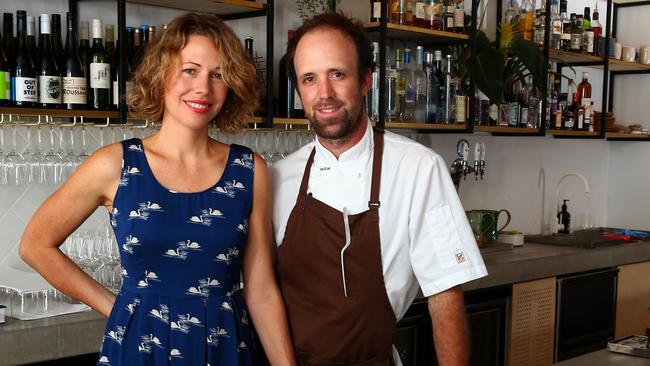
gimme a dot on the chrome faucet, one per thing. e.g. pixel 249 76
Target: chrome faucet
pixel 461 168
pixel 553 219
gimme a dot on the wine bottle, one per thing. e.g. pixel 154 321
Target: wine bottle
pixel 115 68
pixel 99 77
pixel 9 41
pixel 24 85
pixel 109 43
pixel 74 74
pixel 32 50
pixel 137 49
pixel 49 76
pixel 57 43
pixel 84 45
pixel 290 103
pixel 151 34
pixel 5 77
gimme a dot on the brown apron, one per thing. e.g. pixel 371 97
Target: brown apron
pixel 337 305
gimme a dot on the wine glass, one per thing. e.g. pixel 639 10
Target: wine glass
pixel 51 164
pixel 14 163
pixel 83 154
pixel 71 159
pixel 34 157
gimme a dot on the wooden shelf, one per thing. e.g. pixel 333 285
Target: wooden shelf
pixel 59 112
pixel 206 6
pixel 426 126
pixel 618 65
pixel 291 121
pixel 573 57
pixel 416 34
pixel 506 130
pixel 628 136
pixel 572 133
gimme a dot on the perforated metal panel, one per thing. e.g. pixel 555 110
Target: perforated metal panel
pixel 532 323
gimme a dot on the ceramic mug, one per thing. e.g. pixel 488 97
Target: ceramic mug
pixel 484 225
pixel 628 54
pixel 618 48
pixel 644 55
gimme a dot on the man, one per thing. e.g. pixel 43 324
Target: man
pixel 363 219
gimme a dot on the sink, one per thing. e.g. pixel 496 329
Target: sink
pixel 589 238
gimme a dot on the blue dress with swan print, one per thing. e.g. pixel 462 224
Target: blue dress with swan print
pixel 180 302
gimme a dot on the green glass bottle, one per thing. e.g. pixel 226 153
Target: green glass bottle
pixel 99 77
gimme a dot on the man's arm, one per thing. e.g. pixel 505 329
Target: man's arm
pixel 450 331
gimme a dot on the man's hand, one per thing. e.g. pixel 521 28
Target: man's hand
pixel 450 332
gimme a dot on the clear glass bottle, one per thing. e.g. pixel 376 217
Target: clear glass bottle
pixel 392 103
pixel 372 98
pixel 420 86
pixel 526 20
pixel 433 12
pixel 406 73
pixel 397 11
pixel 565 38
pixel 556 26
pixel 576 34
pixel 540 25
pixel 511 12
pixel 448 111
pixel 597 29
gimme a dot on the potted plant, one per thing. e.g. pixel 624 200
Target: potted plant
pixel 309 8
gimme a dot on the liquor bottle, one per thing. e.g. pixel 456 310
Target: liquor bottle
pixel 408 110
pixel 511 13
pixel 565 38
pixel 514 106
pixel 57 43
pixel 24 84
pixel 586 19
pixel 400 88
pixel 459 17
pixel 392 104
pixel 375 10
pixel 84 45
pixel 5 77
pixel 439 89
pixel 397 11
pixel 584 89
pixel 248 48
pixel 534 106
pixel 408 12
pixel 9 40
pixel 420 78
pixel 151 34
pixel 448 16
pixel 447 111
pixel 553 100
pixel 432 87
pixel 540 25
pixel 32 50
pixel 559 115
pixel 526 20
pixel 433 14
pixel 419 14
pixel 556 26
pixel 597 29
pixel 49 76
pixel 372 98
pixel 576 35
pixel 290 103
pixel 99 77
pixel 73 75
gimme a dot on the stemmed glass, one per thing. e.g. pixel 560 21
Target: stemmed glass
pixel 52 163
pixel 34 158
pixel 14 164
pixel 3 173
pixel 71 159
pixel 83 154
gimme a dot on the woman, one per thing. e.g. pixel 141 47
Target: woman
pixel 184 239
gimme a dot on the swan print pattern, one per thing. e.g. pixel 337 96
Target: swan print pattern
pixel 180 302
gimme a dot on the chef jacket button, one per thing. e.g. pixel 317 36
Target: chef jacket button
pixel 358 175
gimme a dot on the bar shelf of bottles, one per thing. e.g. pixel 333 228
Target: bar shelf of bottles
pixel 572 133
pixel 620 65
pixel 206 6
pixel 569 57
pixel 401 31
pixel 51 112
pixel 506 130
pixel 627 136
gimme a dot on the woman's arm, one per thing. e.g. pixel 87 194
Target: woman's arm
pixel 261 291
pixel 90 186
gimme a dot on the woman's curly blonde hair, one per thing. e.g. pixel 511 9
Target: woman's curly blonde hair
pixel 147 97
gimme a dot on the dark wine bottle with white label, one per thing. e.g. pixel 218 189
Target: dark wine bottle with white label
pixel 24 85
pixel 31 40
pixel 8 39
pixel 49 76
pixel 73 74
pixel 5 77
pixel 57 42
pixel 99 76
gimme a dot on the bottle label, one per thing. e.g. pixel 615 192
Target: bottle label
pixel 588 42
pixel 575 41
pixel 391 73
pixel 5 85
pixel 585 102
pixel 450 22
pixel 461 105
pixel 566 36
pixel 376 9
pixel 419 10
pixel 74 90
pixel 100 75
pixel 297 102
pixel 49 89
pixel 25 89
pixel 459 18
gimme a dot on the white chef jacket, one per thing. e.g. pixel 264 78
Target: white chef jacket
pixel 426 241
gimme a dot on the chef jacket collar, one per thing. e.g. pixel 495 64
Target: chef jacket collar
pixel 360 150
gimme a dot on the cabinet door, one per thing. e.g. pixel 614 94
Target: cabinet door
pixel 633 299
pixel 532 323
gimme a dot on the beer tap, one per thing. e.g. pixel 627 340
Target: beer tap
pixel 461 167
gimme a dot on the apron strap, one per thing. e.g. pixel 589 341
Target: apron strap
pixel 305 175
pixel 376 167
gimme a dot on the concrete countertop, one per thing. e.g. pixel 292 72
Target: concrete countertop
pixel 77 334
pixel 534 261
pixel 604 357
